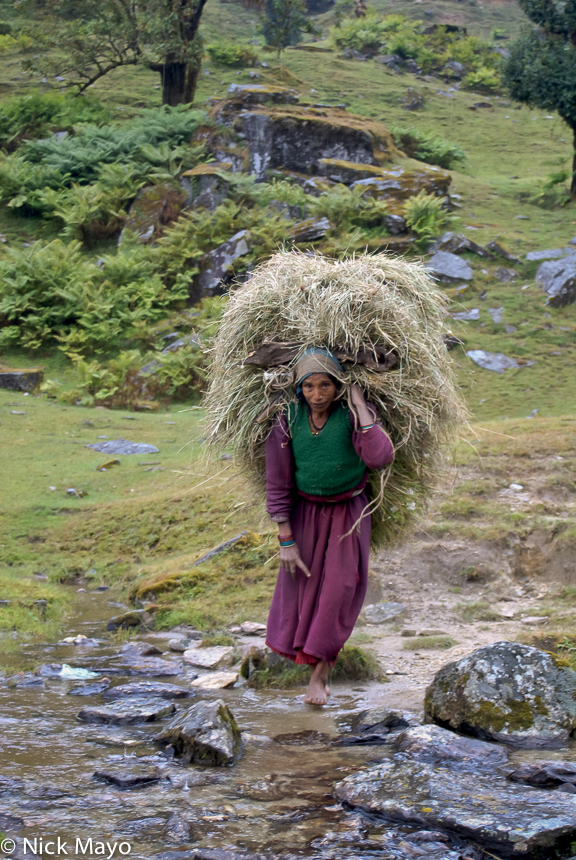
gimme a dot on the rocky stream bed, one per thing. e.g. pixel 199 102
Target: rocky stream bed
pixel 355 780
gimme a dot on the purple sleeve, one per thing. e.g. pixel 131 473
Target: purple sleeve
pixel 373 446
pixel 279 471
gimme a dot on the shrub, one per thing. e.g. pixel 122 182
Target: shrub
pixel 35 115
pixel 425 216
pixel 7 43
pixel 428 147
pixel 51 292
pixel 22 184
pixel 483 79
pixel 230 54
pixel 366 35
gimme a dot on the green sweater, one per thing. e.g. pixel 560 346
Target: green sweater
pixel 326 464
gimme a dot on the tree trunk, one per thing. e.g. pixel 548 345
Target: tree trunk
pixel 573 183
pixel 179 82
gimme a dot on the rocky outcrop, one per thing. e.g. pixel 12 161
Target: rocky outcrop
pixel 557 278
pixel 205 734
pixel 216 267
pixel 458 243
pixel 277 132
pixel 205 186
pixel 506 692
pixel 400 184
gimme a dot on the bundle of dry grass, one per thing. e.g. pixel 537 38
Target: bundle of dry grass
pixel 378 310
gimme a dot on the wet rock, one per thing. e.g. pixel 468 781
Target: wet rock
pixel 145 710
pixel 216 267
pixel 310 230
pixel 558 280
pixel 89 689
pixel 153 668
pixel 500 251
pixel 10 822
pixel 177 829
pixel 139 649
pixel 437 745
pixel 496 361
pixel 147 688
pixel 205 734
pixel 377 719
pixel 112 740
pixel 305 738
pixel 506 692
pixel 155 208
pixel 448 267
pixel 381 612
pixel 129 776
pixel 501 818
pixel 122 446
pixel 505 275
pixel 545 774
pixel 366 739
pixel 133 618
pixel 49 670
pixel 263 790
pixel 209 658
pixel 23 679
pixel 181 645
pixel 216 680
pixel 21 380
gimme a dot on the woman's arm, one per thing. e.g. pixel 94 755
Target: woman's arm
pixel 279 490
pixel 370 440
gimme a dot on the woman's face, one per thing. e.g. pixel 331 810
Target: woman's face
pixel 319 391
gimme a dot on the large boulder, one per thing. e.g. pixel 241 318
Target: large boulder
pixel 506 692
pixel 217 266
pixel 205 734
pixel 154 209
pixel 276 133
pixel 557 278
pixel 21 380
pixel 206 186
pixel 458 243
pixel 506 819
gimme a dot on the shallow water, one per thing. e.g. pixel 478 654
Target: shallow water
pixel 277 798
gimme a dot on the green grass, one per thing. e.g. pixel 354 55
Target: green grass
pixel 429 643
pixel 353 664
pixel 477 610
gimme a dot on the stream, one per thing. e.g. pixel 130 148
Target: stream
pixel 276 800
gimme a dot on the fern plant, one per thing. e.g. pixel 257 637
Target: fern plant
pixel 425 216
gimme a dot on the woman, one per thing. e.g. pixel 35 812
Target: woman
pixel 316 459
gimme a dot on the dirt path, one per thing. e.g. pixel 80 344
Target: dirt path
pixel 436 609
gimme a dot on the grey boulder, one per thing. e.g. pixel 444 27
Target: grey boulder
pixel 496 361
pixel 500 251
pixel 448 267
pixel 553 254
pixel 545 774
pixel 458 243
pixel 206 734
pixel 135 776
pixel 557 278
pixel 506 819
pixel 506 692
pixel 216 266
pixel 147 688
pixel 437 745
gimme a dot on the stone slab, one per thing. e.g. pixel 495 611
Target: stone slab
pixel 122 446
pixel 122 713
pixel 208 658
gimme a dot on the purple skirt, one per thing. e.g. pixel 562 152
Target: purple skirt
pixel 311 618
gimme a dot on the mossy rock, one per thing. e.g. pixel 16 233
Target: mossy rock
pixel 506 692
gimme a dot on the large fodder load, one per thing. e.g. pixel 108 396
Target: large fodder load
pixel 384 319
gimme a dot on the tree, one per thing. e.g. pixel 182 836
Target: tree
pixel 84 40
pixel 541 68
pixel 284 22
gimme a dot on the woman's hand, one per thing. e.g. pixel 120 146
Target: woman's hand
pixel 290 558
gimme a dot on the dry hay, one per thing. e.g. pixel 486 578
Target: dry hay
pixel 369 301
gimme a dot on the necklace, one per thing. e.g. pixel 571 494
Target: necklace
pixel 315 430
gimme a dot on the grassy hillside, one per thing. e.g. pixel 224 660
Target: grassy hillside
pixel 142 529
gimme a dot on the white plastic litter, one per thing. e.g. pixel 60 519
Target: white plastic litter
pixel 75 673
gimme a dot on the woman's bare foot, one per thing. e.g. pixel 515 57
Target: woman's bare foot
pixel 318 689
